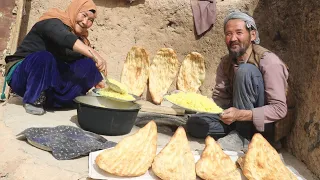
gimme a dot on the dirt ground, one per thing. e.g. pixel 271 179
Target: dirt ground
pixel 21 161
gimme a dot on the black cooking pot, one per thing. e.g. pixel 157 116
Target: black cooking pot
pixel 104 116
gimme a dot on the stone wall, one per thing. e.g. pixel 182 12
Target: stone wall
pixel 7 17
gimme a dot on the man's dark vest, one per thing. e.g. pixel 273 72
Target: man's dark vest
pixel 257 54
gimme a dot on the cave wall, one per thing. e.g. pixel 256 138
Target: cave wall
pixel 291 29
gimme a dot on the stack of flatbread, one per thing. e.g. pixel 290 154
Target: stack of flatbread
pixel 192 73
pixel 175 161
pixel 164 69
pixel 133 155
pixel 215 164
pixel 135 72
pixel 262 161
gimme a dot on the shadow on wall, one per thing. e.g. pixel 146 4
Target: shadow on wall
pixel 271 28
pixel 118 3
pixel 25 21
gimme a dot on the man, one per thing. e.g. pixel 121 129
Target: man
pixel 251 86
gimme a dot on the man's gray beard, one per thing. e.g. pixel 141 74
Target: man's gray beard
pixel 235 55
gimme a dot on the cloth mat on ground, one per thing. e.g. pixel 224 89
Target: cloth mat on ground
pixel 65 142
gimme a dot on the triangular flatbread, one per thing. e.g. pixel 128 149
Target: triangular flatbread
pixel 164 69
pixel 133 155
pixel 135 72
pixel 262 161
pixel 175 161
pixel 215 164
pixel 240 161
pixel 192 73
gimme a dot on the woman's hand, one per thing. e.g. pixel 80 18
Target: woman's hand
pixel 100 63
pixel 100 85
pixel 83 49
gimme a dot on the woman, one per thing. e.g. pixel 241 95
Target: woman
pixel 54 64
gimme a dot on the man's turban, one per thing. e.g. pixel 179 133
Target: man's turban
pixel 250 23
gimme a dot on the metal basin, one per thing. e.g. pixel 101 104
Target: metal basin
pixel 104 116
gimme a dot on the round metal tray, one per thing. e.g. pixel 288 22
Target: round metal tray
pixel 96 91
pixel 188 109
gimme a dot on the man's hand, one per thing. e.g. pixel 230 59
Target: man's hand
pixel 233 114
pixel 229 115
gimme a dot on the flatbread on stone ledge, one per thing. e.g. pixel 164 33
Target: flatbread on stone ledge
pixel 192 73
pixel 133 155
pixel 262 161
pixel 163 71
pixel 215 164
pixel 135 72
pixel 175 161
